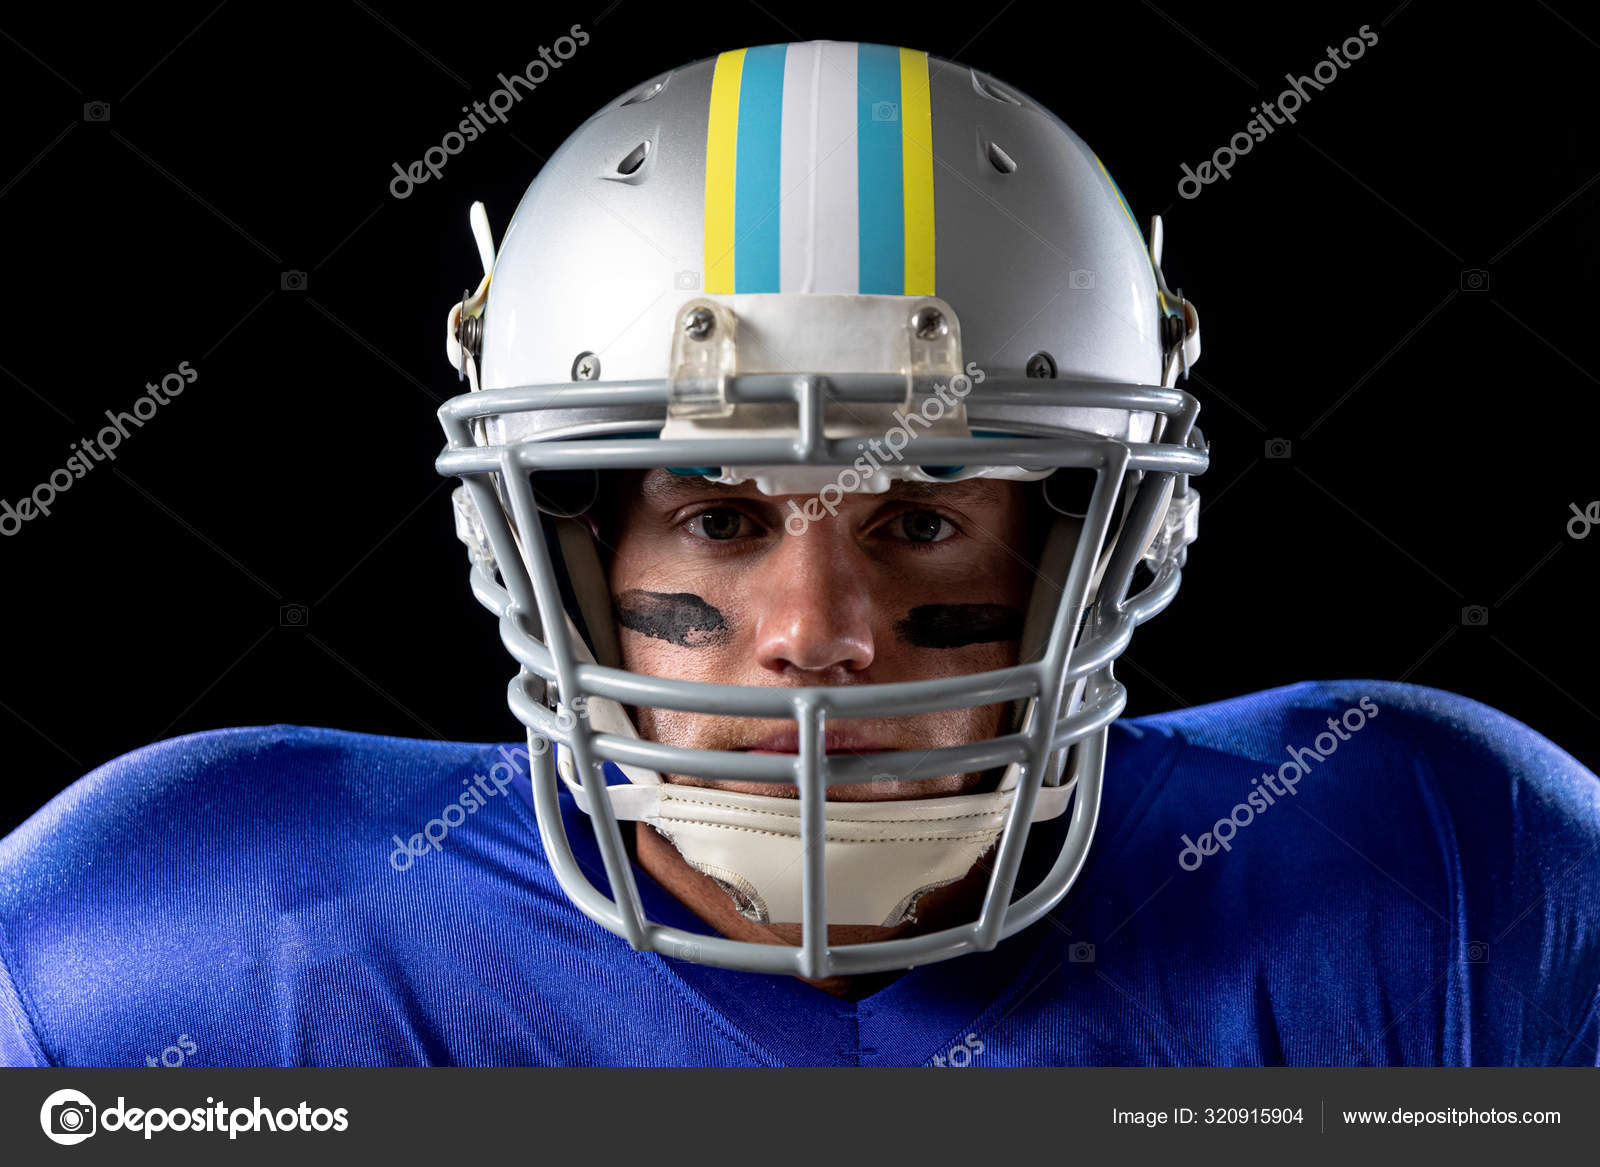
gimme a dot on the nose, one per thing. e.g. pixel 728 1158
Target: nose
pixel 813 605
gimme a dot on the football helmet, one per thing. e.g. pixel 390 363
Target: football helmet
pixel 822 267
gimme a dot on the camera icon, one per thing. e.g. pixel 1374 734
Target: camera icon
pixel 68 1117
pixel 97 111
pixel 686 281
pixel 1474 279
pixel 1279 449
pixel 71 1118
pixel 294 616
pixel 885 111
pixel 1477 952
pixel 1080 279
pixel 292 280
pixel 1475 616
pixel 1081 953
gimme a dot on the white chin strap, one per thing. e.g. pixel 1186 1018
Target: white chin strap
pixel 879 857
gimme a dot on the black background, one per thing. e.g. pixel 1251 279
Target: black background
pixel 1439 432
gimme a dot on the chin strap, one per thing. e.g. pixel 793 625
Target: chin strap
pixel 879 857
pixel 464 325
pixel 1180 322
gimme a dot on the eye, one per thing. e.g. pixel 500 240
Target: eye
pixel 925 527
pixel 719 523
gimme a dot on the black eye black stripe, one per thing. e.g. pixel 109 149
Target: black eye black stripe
pixel 958 625
pixel 685 619
pixel 680 618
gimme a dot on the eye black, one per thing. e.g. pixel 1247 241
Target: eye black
pixel 721 523
pixel 921 526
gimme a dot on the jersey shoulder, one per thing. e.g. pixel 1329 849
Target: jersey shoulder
pixel 192 884
pixel 1374 732
pixel 1396 840
pixel 1470 780
pixel 298 784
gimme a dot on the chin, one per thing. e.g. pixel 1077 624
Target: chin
pixel 841 934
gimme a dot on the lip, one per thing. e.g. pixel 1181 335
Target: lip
pixel 836 742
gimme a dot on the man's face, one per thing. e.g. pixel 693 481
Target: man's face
pixel 924 581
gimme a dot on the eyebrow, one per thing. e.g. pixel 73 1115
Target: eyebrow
pixel 662 486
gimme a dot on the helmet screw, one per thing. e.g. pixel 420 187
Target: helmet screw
pixel 699 323
pixel 586 367
pixel 471 333
pixel 929 324
pixel 1041 367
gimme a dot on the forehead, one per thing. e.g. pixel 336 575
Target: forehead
pixel 664 488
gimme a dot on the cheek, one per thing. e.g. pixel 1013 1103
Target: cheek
pixel 657 657
pixel 670 726
pixel 952 726
pixel 673 620
pixel 963 724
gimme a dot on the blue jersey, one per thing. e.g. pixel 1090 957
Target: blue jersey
pixel 1276 879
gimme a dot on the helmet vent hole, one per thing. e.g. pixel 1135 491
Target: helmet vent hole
pixel 987 87
pixel 1000 160
pixel 648 92
pixel 634 159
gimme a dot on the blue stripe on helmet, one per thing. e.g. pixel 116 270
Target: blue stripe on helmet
pixel 881 205
pixel 756 194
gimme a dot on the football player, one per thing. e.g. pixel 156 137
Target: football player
pixel 822 445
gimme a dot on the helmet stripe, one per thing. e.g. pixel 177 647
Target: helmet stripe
pixel 722 128
pixel 791 204
pixel 916 151
pixel 760 130
pixel 1117 190
pixel 820 247
pixel 881 213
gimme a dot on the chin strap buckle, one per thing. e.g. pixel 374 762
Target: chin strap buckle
pixel 471 531
pixel 1179 527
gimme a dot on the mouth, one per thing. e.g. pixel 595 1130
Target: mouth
pixel 835 742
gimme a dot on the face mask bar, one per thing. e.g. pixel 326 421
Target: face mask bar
pixel 530 604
